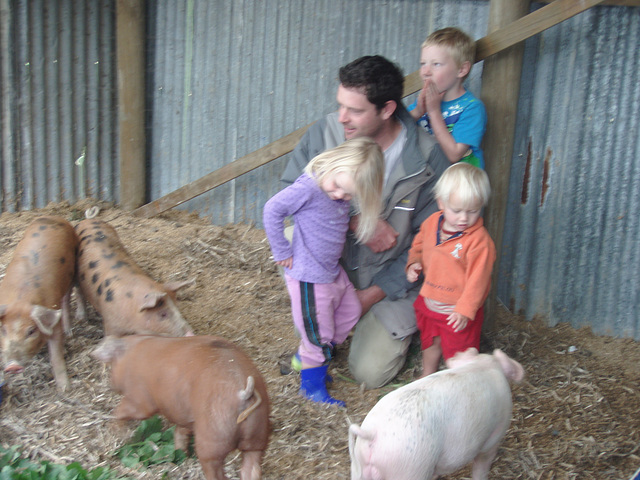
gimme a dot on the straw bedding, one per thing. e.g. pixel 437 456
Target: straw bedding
pixel 577 414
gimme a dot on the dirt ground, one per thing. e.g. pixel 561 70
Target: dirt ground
pixel 577 414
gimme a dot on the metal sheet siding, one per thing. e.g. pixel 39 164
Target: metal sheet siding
pixel 228 77
pixel 570 247
pixel 231 77
pixel 58 102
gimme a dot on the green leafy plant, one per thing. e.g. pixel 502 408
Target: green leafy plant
pixel 13 466
pixel 150 446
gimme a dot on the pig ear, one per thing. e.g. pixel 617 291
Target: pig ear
pixel 175 286
pixel 45 318
pixel 151 300
pixel 109 349
pixel 512 369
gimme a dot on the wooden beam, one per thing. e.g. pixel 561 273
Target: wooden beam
pixel 224 174
pixel 611 3
pixel 500 90
pixel 130 41
pixel 530 25
pixel 493 43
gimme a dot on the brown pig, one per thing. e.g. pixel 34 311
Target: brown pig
pixel 128 300
pixel 35 293
pixel 204 384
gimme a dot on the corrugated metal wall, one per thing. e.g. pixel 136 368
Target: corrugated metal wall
pixel 231 77
pixel 571 250
pixel 57 102
pixel 226 78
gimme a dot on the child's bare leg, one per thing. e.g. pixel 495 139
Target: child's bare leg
pixel 431 357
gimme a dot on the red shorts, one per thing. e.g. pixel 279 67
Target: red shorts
pixel 432 324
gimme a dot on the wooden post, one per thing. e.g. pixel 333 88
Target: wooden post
pixel 130 40
pixel 500 91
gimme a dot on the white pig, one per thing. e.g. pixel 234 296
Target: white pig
pixel 439 423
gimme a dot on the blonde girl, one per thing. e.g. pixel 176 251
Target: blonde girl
pixel 336 184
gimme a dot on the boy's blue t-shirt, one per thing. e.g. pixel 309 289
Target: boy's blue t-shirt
pixel 466 120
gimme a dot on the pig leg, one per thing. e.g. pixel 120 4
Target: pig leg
pixel 81 305
pixel 482 464
pixel 66 308
pixel 251 465
pixel 211 451
pixel 181 437
pixel 55 345
pixel 129 410
pixel 212 468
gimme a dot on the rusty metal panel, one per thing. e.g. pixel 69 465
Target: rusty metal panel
pixel 570 248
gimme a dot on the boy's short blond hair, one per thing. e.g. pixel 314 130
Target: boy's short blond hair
pixel 461 46
pixel 470 185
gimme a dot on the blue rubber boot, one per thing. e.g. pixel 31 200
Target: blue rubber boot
pixel 313 386
pixel 296 366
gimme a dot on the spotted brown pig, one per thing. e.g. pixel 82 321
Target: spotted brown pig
pixel 128 300
pixel 204 384
pixel 34 296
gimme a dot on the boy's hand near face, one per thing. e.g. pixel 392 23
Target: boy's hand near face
pixel 457 321
pixel 413 272
pixel 432 98
pixel 429 100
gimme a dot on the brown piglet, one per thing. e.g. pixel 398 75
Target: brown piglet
pixel 205 385
pixel 129 301
pixel 34 296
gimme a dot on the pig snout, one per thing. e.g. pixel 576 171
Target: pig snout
pixel 13 367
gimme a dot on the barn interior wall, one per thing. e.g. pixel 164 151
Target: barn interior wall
pixel 226 78
pixel 570 251
pixel 229 81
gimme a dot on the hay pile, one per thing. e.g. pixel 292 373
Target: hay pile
pixel 575 416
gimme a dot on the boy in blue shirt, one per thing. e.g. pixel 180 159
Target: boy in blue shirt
pixel 444 107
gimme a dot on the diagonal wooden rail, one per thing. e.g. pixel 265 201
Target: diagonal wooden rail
pixel 523 28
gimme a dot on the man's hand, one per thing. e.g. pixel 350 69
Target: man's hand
pixel 384 238
pixel 369 297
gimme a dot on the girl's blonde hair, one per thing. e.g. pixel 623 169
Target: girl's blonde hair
pixel 363 160
pixel 470 185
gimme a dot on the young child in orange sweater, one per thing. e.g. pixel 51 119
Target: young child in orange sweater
pixel 455 254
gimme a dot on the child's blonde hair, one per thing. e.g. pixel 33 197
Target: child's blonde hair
pixel 363 160
pixel 470 185
pixel 460 46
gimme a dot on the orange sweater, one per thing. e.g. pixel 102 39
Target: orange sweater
pixel 458 271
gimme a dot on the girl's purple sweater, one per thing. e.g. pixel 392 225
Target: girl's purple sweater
pixel 321 226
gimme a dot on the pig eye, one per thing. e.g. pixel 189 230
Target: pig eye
pixel 31 331
pixel 160 303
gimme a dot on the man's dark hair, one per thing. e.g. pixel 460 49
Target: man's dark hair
pixel 379 79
